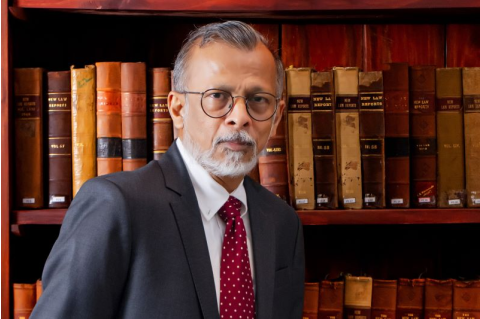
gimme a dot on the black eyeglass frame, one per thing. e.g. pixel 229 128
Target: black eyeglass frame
pixel 233 103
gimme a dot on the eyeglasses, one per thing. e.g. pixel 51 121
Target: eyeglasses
pixel 217 103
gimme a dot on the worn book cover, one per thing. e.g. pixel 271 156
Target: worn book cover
pixel 358 297
pixel 310 301
pixel 410 298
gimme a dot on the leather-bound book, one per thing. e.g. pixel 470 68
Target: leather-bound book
pixel 450 146
pixel 330 299
pixel 466 299
pixel 255 174
pixel 272 163
pixel 84 158
pixel 358 297
pixel 109 118
pixel 134 115
pixel 347 123
pixel 397 144
pixel 438 299
pixel 372 138
pixel 38 289
pixel 471 108
pixel 24 300
pixel 59 119
pixel 323 140
pixel 300 137
pixel 310 301
pixel 384 299
pixel 410 298
pixel 423 136
pixel 28 115
pixel 159 120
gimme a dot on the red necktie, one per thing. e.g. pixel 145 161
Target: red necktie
pixel 237 299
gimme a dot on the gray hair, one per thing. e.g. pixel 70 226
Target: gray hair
pixel 238 34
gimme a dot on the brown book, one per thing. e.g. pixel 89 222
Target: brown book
pixel 471 108
pixel 59 119
pixel 84 158
pixel 450 146
pixel 300 137
pixel 466 299
pixel 255 174
pixel 410 298
pixel 348 137
pixel 397 144
pixel 38 289
pixel 24 300
pixel 310 301
pixel 330 299
pixel 372 138
pixel 323 140
pixel 384 299
pixel 134 115
pixel 109 118
pixel 438 299
pixel 272 163
pixel 28 144
pixel 159 120
pixel 358 297
pixel 423 136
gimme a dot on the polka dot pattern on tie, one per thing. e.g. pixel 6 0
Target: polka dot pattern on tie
pixel 237 300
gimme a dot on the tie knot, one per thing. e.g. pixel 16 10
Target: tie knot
pixel 230 209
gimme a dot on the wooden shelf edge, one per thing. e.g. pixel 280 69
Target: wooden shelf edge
pixel 390 216
pixel 52 216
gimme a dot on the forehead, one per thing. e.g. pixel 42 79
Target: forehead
pixel 223 64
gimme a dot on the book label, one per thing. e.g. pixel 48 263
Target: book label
pixel 476 201
pixel 349 200
pixel 109 147
pixel 397 147
pixel 371 146
pixel 346 103
pixel 369 199
pixel 322 200
pixel 301 201
pixel 59 146
pixel 371 101
pixel 449 104
pixel 299 103
pixel 472 103
pixel 158 107
pixel 273 150
pixel 28 200
pixel 59 102
pixel 424 146
pixel 57 199
pixel 397 201
pixel 424 200
pixel 322 102
pixel 27 106
pixel 423 103
pixel 454 202
pixel 322 147
pixel 396 101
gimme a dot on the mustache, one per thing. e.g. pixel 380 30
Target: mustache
pixel 237 137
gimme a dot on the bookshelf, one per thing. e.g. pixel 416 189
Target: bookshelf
pixel 55 34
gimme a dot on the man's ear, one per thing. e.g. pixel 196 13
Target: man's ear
pixel 278 116
pixel 176 103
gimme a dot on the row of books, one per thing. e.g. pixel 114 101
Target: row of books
pixel 367 298
pixel 403 137
pixel 85 122
pixel 25 297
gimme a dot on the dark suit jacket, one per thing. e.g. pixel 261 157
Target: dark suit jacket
pixel 132 245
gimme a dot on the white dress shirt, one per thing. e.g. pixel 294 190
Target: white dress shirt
pixel 211 196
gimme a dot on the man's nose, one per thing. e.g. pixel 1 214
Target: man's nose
pixel 239 114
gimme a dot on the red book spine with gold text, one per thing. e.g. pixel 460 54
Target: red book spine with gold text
pixel 466 299
pixel 410 298
pixel 310 301
pixel 384 299
pixel 330 302
pixel 438 299
pixel 24 299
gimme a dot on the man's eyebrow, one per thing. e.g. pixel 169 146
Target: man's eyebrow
pixel 249 90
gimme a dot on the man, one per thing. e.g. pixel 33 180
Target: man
pixel 189 236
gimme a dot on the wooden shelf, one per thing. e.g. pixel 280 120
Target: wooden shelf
pixel 310 217
pixel 390 216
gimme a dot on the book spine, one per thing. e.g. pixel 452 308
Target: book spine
pixel 450 144
pixel 159 120
pixel 38 289
pixel 348 138
pixel 410 298
pixel 300 137
pixel 438 299
pixel 323 140
pixel 28 115
pixel 310 301
pixel 272 163
pixel 109 118
pixel 83 126
pixel 466 299
pixel 134 115
pixel 358 297
pixel 330 300
pixel 397 143
pixel 372 138
pixel 59 119
pixel 384 299
pixel 471 108
pixel 255 174
pixel 24 300
pixel 423 136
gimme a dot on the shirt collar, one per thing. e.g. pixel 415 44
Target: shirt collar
pixel 210 195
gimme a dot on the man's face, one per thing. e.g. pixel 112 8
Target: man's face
pixel 240 72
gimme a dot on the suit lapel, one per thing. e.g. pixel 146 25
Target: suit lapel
pixel 263 240
pixel 189 221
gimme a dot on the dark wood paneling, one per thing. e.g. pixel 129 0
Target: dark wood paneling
pixel 322 46
pixel 463 45
pixel 271 32
pixel 419 44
